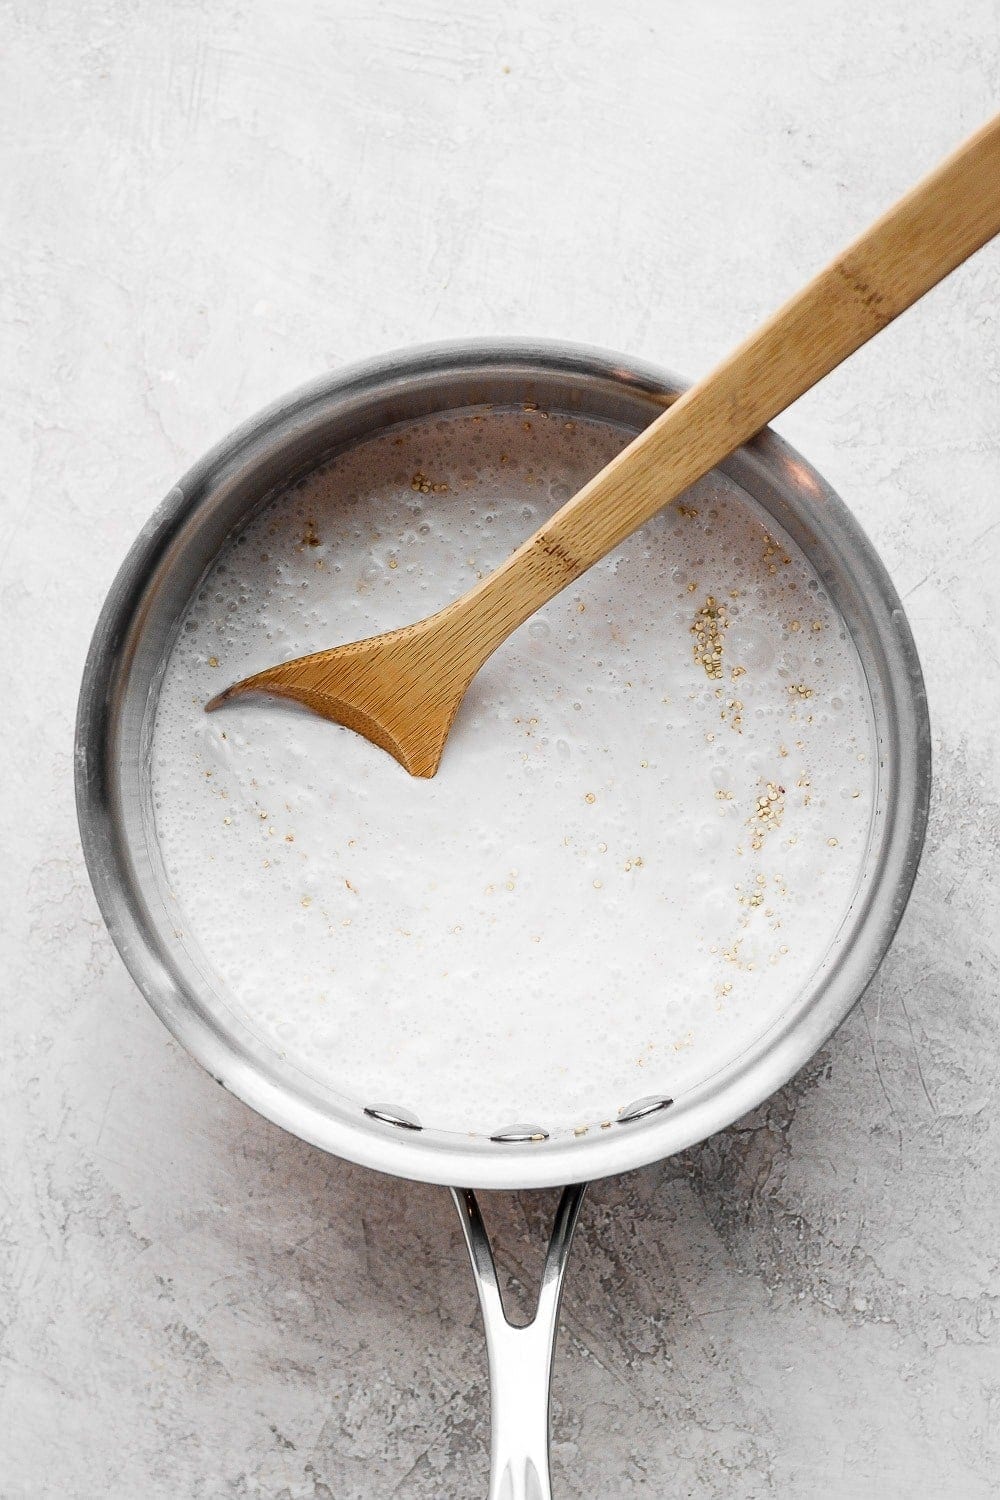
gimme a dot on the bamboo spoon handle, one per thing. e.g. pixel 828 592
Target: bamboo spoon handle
pixel 948 216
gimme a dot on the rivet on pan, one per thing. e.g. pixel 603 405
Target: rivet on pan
pixel 391 1114
pixel 642 1107
pixel 521 1133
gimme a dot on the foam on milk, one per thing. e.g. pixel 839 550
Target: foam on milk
pixel 636 851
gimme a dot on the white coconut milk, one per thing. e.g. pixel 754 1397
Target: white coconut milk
pixel 636 850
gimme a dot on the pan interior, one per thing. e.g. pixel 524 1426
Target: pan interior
pixel 648 835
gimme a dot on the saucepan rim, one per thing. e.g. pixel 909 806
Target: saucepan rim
pixel 276 1089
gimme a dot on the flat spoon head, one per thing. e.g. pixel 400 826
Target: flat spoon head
pixel 400 690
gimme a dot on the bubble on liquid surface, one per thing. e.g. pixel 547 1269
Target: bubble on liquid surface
pixel 589 903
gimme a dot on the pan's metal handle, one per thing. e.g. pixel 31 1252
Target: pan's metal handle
pixel 520 1359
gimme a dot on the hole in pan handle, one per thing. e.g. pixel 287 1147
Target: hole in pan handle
pixel 520 1359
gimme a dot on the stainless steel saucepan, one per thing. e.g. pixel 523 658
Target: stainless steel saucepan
pixel 143 612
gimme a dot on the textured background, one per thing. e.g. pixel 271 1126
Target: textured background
pixel 204 204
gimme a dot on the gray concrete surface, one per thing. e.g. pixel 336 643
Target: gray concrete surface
pixel 204 204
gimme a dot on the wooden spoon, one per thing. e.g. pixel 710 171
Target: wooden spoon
pixel 402 690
